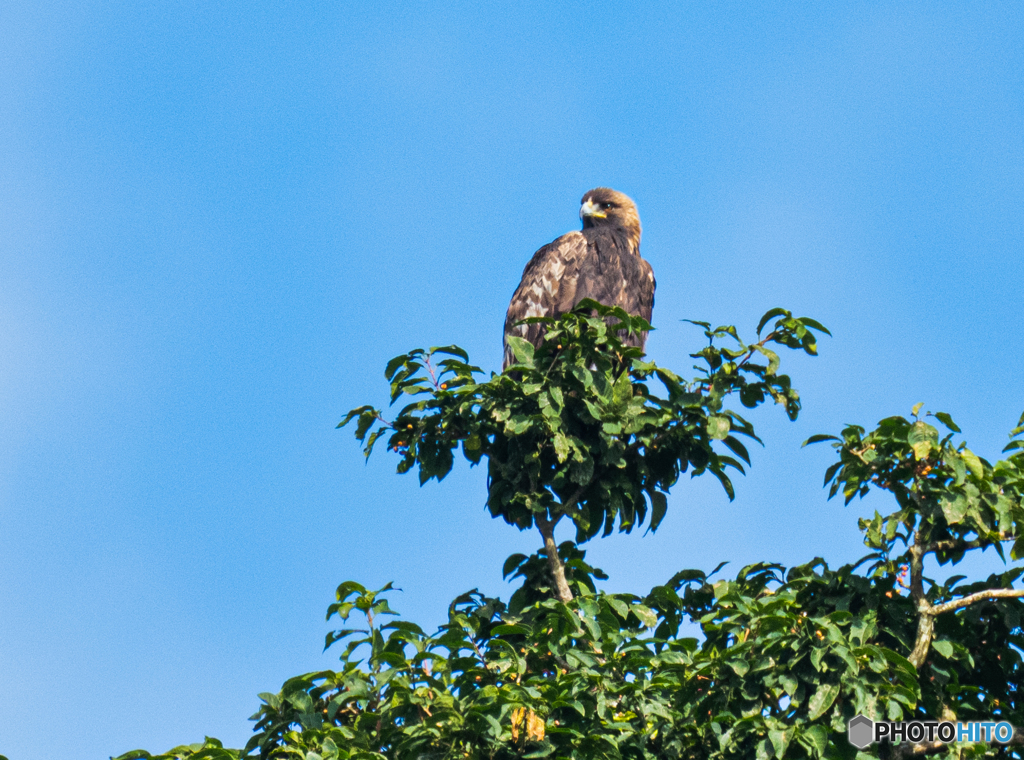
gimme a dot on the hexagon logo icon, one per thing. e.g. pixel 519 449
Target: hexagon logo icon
pixel 861 731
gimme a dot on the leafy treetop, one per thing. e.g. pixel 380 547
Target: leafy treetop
pixel 582 426
pixel 769 664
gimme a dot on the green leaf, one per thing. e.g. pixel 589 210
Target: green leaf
pixel 901 662
pixel 659 506
pixel 771 356
pixel 561 444
pixel 451 351
pixel 973 463
pixel 511 564
pixel 620 607
pixel 718 427
pixel 954 507
pixel 894 712
pixel 726 483
pixel 943 647
pixel 357 412
pixel 780 740
pixel 776 312
pixel 737 448
pixel 819 438
pixel 822 700
pixel 789 683
pixel 923 438
pixel 271 699
pixel 546 749
pixel 956 463
pixel 815 324
pixel 301 700
pixel 394 364
pixel 557 400
pixel 818 736
pixel 741 667
pixel 522 349
pixel 347 588
pixel 946 420
pixel 646 614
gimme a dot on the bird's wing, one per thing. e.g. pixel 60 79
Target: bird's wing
pixel 615 276
pixel 548 287
pixel 636 294
pixel 645 290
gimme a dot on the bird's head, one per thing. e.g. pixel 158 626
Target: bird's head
pixel 604 207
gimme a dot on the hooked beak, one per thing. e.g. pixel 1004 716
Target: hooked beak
pixel 592 209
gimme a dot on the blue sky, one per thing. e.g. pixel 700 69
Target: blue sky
pixel 218 222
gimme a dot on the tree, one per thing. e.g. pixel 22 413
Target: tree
pixel 584 429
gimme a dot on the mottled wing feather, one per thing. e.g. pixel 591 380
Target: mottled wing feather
pixel 602 264
pixel 548 287
pixel 613 275
pixel 645 290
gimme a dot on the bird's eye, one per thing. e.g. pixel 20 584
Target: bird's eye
pixel 607 205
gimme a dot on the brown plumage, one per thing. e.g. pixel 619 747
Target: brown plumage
pixel 601 261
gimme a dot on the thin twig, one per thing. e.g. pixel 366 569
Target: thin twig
pixel 430 369
pixel 751 351
pixel 571 503
pixel 553 360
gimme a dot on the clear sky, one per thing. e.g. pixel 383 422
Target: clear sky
pixel 219 220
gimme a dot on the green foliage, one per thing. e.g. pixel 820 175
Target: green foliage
pixel 602 676
pixel 582 426
pixel 782 661
pixel 769 664
pixel 210 749
pixel 949 500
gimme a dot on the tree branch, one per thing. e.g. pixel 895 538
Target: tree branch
pixel 917 750
pixel 923 643
pixel 927 612
pixel 922 749
pixel 565 506
pixel 555 564
pixel 547 531
pixel 964 601
pixel 952 544
pixel 925 621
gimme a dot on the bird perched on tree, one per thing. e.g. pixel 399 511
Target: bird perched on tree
pixel 601 261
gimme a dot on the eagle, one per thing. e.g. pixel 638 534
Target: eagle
pixel 601 261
